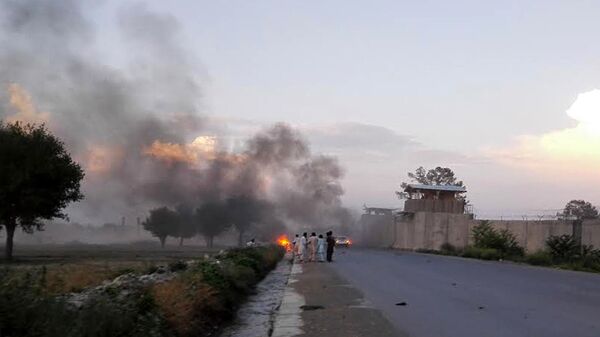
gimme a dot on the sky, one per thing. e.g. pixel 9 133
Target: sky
pixel 485 88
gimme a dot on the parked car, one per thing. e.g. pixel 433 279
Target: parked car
pixel 343 241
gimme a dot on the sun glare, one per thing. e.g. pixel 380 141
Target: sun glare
pixel 566 151
pixel 586 110
pixel 583 141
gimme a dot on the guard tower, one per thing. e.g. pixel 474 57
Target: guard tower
pixel 434 198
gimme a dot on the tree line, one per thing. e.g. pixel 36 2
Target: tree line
pixel 211 219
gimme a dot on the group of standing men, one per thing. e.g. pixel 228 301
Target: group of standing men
pixel 313 248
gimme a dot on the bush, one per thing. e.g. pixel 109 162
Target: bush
pixel 26 310
pixel 176 266
pixel 539 258
pixel 490 254
pixel 193 303
pixel 481 253
pixel 503 241
pixel 484 235
pixel 209 292
pixel 563 248
pixel 448 249
pixel 590 258
pixel 568 254
pixel 185 307
pixel 427 251
pixel 509 245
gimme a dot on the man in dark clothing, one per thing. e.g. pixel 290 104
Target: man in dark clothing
pixel 330 245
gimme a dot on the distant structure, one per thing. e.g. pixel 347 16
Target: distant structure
pixel 373 221
pixel 435 216
pixel 379 210
pixel 434 198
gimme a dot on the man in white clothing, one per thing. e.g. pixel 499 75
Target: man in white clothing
pixel 302 247
pixel 312 247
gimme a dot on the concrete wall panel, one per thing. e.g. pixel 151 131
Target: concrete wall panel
pixel 429 230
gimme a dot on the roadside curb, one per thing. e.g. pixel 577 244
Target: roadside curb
pixel 288 320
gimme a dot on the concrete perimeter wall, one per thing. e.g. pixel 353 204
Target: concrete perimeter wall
pixel 377 230
pixel 429 230
pixel 591 233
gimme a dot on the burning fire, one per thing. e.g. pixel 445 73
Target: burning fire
pixel 283 241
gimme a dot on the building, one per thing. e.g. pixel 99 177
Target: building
pixel 434 198
pixel 379 210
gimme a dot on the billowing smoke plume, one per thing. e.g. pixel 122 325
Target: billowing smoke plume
pixel 138 129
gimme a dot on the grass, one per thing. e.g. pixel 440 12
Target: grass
pixel 208 293
pixel 45 254
pixel 56 279
pixel 183 305
pixel 76 277
pixel 202 296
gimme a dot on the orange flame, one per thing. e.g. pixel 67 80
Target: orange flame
pixel 283 241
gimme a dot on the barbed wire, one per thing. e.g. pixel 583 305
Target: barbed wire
pixel 521 214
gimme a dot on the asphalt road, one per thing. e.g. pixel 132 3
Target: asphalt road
pixel 455 297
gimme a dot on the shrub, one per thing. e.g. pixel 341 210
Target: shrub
pixel 151 268
pixel 509 244
pixel 481 253
pixel 484 235
pixel 588 252
pixel 76 277
pixel 448 248
pixel 503 241
pixel 426 251
pixel 193 303
pixel 539 258
pixel 184 306
pixel 490 254
pixel 563 248
pixel 590 258
pixel 177 266
pixel 27 310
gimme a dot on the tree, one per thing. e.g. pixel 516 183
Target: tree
pixel 244 212
pixel 162 222
pixel 581 209
pixel 38 179
pixel 436 176
pixel 213 219
pixel 186 226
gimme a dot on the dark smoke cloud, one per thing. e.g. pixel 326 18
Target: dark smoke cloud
pixel 48 49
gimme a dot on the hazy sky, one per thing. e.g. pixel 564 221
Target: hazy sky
pixel 480 86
